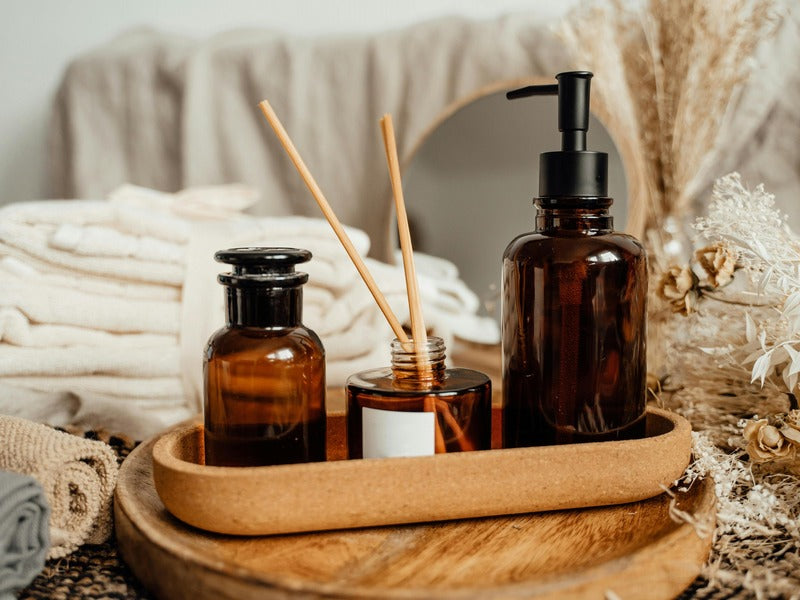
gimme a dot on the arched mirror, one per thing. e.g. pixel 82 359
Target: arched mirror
pixel 469 185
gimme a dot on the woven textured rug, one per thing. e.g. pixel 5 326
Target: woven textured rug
pixel 92 571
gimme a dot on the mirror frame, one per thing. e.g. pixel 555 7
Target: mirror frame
pixel 632 163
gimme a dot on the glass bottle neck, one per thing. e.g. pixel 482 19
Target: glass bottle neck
pixel 414 366
pixel 588 216
pixel 264 306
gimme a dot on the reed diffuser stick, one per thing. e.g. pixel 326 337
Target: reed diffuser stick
pixel 294 155
pixel 418 333
pixel 429 405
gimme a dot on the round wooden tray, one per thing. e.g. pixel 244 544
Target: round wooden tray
pixel 633 550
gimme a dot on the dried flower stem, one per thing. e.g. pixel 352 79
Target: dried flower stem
pixel 665 76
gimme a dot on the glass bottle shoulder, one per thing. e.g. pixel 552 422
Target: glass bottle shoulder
pixel 606 247
pixel 279 343
pixel 382 382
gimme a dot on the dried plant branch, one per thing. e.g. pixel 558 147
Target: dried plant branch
pixel 666 75
pixel 755 551
pixel 730 360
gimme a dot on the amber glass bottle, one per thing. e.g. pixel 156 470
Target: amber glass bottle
pixel 573 329
pixel 264 371
pixel 417 407
pixel 574 301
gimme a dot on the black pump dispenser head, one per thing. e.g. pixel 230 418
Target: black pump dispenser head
pixel 573 171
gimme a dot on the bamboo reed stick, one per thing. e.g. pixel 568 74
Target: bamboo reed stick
pixel 418 333
pixel 463 443
pixel 294 155
pixel 429 405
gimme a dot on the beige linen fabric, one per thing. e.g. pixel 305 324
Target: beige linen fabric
pixel 169 112
pixel 166 112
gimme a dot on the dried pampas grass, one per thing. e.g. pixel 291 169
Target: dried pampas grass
pixel 666 74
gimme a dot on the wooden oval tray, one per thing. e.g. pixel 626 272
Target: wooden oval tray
pixel 632 550
pixel 360 493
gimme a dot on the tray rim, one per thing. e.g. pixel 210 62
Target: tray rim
pixel 162 450
pixel 183 485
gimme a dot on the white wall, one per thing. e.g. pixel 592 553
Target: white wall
pixel 38 38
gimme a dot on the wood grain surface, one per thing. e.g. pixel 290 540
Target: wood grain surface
pixel 633 550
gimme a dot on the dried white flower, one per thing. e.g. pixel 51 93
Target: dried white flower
pixel 766 443
pixel 677 286
pixel 719 262
pixel 747 224
pixel 791 427
pixel 758 508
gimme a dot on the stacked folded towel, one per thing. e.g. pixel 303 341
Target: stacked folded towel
pixel 77 475
pixel 106 306
pixel 24 534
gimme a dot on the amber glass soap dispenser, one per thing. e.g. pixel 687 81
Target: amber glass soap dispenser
pixel 574 299
pixel 264 371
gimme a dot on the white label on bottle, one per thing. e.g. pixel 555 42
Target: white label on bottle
pixel 386 433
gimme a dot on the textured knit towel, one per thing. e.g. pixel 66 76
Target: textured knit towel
pixel 24 537
pixel 78 477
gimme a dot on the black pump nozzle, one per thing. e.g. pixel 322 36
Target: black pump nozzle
pixel 572 90
pixel 574 171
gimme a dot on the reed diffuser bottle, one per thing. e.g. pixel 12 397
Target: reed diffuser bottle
pixel 417 407
pixel 264 371
pixel 574 300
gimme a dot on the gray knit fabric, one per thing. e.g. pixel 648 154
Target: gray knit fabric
pixel 24 532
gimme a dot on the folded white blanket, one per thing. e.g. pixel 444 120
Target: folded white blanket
pixel 51 276
pixel 56 305
pixel 17 330
pixel 106 306
pixel 34 240
pixel 97 360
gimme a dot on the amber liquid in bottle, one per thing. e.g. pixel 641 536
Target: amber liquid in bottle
pixel 460 400
pixel 574 309
pixel 264 371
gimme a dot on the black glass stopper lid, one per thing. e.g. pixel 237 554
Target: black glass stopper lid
pixel 263 267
